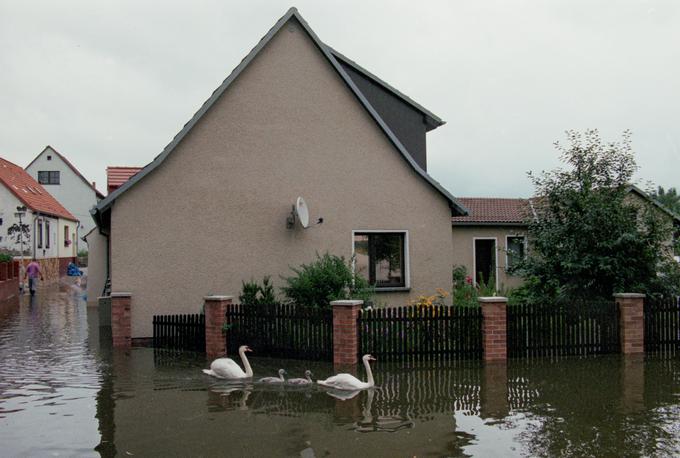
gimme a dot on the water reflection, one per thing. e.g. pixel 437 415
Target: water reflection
pixel 60 378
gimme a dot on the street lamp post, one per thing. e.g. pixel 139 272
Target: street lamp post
pixel 21 212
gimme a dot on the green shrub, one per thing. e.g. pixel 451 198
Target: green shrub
pixel 463 292
pixel 252 293
pixel 82 253
pixel 4 257
pixel 326 279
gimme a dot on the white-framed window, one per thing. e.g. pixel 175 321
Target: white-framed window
pixel 40 233
pixel 382 258
pixel 515 250
pixel 485 259
pixel 47 233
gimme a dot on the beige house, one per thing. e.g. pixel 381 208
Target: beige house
pixel 295 118
pixel 491 238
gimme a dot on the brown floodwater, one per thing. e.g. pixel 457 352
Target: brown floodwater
pixel 65 392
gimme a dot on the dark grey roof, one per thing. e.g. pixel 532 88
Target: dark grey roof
pixel 291 13
pixel 644 195
pixel 433 121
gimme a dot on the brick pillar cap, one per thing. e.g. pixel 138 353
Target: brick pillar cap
pixel 493 299
pixel 346 303
pixel 121 294
pixel 217 298
pixel 629 295
pixel 103 297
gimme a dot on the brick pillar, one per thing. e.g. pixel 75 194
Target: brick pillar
pixel 121 322
pixel 215 316
pixel 493 393
pixel 345 332
pixel 3 271
pixel 631 322
pixel 494 328
pixel 17 270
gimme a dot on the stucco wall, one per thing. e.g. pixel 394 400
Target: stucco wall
pixel 8 206
pixel 463 242
pixel 96 266
pixel 67 251
pixel 214 213
pixel 72 192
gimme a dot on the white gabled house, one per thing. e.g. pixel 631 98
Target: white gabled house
pixel 49 230
pixel 63 181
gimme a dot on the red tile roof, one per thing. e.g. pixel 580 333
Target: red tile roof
pixel 116 176
pixel 73 167
pixel 490 210
pixel 30 192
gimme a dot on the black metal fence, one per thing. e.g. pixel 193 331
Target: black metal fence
pixel 421 333
pixel 179 332
pixel 572 330
pixel 662 325
pixel 281 330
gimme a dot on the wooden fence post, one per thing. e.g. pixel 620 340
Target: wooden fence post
pixel 345 332
pixel 631 322
pixel 121 321
pixel 3 271
pixel 494 328
pixel 215 316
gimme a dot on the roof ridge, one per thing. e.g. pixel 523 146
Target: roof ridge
pixel 437 121
pixel 217 93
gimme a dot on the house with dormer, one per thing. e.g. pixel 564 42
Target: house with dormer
pixel 32 221
pixel 295 118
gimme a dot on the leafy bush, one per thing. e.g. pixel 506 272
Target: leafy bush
pixel 463 292
pixel 82 253
pixel 328 278
pixel 252 293
pixel 4 257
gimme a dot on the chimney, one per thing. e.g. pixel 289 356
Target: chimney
pixel 94 185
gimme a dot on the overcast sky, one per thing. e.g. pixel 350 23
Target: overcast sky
pixel 111 82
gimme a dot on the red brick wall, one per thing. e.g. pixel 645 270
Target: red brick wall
pixel 345 332
pixel 121 304
pixel 494 328
pixel 215 341
pixel 631 322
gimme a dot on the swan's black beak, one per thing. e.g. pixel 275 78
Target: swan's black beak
pixel 248 349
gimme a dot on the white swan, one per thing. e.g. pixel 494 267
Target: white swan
pixel 348 382
pixel 301 381
pixel 278 379
pixel 226 367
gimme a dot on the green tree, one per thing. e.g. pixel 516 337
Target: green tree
pixel 668 198
pixel 586 241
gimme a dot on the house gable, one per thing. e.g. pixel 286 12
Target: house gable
pixel 291 15
pixel 215 212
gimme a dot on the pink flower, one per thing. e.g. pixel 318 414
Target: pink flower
pixel 468 280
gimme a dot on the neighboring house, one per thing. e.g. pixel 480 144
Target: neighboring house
pixel 295 118
pixel 49 228
pixel 491 238
pixel 116 176
pixel 63 180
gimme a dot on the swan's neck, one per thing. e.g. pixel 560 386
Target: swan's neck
pixel 246 363
pixel 369 373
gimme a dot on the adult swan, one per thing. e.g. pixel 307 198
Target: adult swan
pixel 226 367
pixel 348 382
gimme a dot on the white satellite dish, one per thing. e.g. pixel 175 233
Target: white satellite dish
pixel 302 212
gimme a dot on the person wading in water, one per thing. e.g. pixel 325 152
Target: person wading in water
pixel 32 273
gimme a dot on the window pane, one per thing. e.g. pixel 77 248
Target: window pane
pixel 515 251
pixel 388 259
pixel 43 177
pixel 361 256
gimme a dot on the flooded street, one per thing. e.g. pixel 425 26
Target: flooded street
pixel 64 392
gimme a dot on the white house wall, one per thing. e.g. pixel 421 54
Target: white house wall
pixel 72 192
